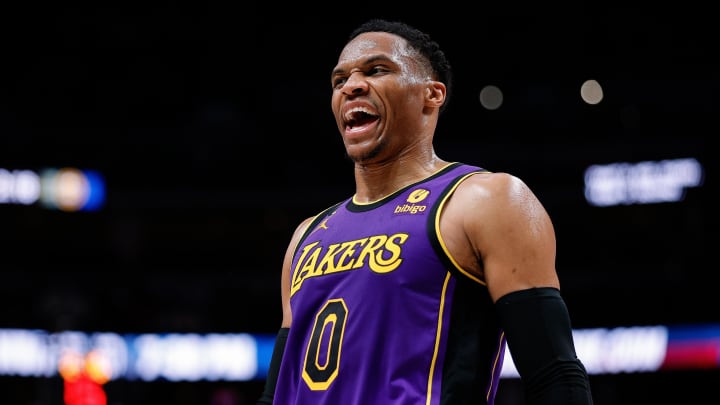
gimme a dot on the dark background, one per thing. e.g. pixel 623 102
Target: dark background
pixel 213 130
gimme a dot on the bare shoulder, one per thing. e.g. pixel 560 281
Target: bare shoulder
pixel 496 190
pixel 302 227
pixel 496 228
pixel 298 233
pixel 503 200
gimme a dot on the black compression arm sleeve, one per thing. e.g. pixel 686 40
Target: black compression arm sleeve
pixel 539 335
pixel 274 368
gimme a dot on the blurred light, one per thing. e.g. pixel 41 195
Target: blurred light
pixel 71 189
pixel 591 92
pixel 70 365
pixel 83 376
pixel 696 347
pixel 19 187
pixel 191 357
pixel 67 189
pixel 641 183
pixel 25 353
pixel 612 351
pixel 107 355
pixel 97 367
pixel 244 357
pixel 622 350
pixel 491 97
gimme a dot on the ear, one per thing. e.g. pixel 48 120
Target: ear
pixel 435 94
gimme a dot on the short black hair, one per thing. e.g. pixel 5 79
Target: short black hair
pixel 418 40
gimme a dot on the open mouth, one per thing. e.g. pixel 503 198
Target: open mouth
pixel 359 117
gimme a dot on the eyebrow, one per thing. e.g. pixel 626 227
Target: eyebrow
pixel 368 61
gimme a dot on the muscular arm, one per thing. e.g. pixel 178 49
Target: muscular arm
pixel 517 244
pixel 497 229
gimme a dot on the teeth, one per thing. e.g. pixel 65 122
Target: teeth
pixel 351 112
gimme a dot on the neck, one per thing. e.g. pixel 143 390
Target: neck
pixel 373 181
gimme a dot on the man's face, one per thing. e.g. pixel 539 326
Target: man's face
pixel 378 94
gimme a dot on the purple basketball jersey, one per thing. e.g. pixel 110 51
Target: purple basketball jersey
pixel 381 316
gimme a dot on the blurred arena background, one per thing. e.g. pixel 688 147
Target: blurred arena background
pixel 155 160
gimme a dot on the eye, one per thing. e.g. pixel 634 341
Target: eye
pixel 377 69
pixel 338 82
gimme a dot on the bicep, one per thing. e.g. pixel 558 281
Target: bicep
pixel 515 239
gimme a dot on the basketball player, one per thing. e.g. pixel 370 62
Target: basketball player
pixel 408 291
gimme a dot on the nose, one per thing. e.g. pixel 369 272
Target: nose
pixel 355 84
